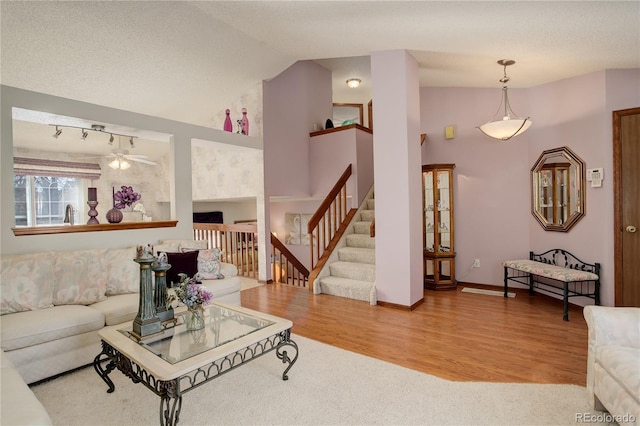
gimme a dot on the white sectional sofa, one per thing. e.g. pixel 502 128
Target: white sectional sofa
pixel 613 362
pixel 19 404
pixel 54 303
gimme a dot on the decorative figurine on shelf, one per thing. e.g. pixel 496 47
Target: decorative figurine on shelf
pixel 228 126
pixel 162 259
pixel 145 252
pixel 245 122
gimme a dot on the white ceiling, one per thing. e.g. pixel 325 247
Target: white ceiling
pixel 188 61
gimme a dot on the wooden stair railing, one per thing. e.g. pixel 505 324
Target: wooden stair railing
pixel 239 244
pixel 285 267
pixel 329 223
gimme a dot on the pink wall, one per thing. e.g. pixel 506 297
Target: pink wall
pixel 331 153
pixel 364 164
pixel 398 186
pixel 293 101
pixel 493 218
pixel 491 178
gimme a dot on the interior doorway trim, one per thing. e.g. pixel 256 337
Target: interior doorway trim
pixel 617 200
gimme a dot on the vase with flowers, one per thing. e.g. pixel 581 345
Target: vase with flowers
pixel 194 296
pixel 122 200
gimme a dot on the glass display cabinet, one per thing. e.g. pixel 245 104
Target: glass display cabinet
pixel 439 255
pixel 554 192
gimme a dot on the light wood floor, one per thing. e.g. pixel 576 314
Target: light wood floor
pixel 452 335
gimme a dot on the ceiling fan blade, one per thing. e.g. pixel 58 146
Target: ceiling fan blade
pixel 140 160
pixel 136 156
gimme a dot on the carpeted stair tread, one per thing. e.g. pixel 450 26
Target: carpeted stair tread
pixel 345 287
pixel 357 254
pixel 362 227
pixel 367 215
pixel 354 271
pixel 353 274
pixel 360 240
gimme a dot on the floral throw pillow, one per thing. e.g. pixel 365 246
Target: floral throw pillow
pixel 209 264
pixel 123 274
pixel 26 282
pixel 80 277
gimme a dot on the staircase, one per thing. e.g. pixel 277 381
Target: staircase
pixel 351 271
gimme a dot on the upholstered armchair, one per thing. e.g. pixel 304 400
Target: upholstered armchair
pixel 613 361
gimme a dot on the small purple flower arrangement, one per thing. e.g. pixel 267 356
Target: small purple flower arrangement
pixel 190 293
pixel 125 197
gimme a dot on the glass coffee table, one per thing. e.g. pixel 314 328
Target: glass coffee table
pixel 175 360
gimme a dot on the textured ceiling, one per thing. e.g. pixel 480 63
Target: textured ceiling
pixel 188 61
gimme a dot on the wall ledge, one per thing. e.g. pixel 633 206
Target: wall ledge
pixel 69 229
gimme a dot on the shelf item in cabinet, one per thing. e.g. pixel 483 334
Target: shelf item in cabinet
pixel 442 206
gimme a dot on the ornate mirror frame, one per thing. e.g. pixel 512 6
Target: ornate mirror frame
pixel 558 197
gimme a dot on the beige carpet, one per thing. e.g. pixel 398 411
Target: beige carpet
pixel 247 283
pixel 327 386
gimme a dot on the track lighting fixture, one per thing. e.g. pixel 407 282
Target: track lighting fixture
pixel 98 128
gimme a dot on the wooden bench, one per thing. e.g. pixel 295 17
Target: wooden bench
pixel 558 272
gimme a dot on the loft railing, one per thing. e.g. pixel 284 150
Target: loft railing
pixel 285 267
pixel 239 244
pixel 327 221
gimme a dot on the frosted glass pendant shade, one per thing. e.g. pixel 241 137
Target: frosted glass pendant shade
pixel 505 129
pixel 505 124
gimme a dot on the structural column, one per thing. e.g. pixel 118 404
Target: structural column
pixel 398 187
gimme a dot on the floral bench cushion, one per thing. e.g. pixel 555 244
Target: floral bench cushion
pixel 550 271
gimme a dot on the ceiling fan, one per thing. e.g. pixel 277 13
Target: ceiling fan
pixel 120 157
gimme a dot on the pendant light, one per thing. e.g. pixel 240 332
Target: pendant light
pixel 505 124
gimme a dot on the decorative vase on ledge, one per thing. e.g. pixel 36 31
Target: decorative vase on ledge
pixel 114 216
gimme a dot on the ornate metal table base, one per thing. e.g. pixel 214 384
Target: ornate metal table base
pixel 171 391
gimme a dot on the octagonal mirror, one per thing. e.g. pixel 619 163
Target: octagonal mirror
pixel 558 189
